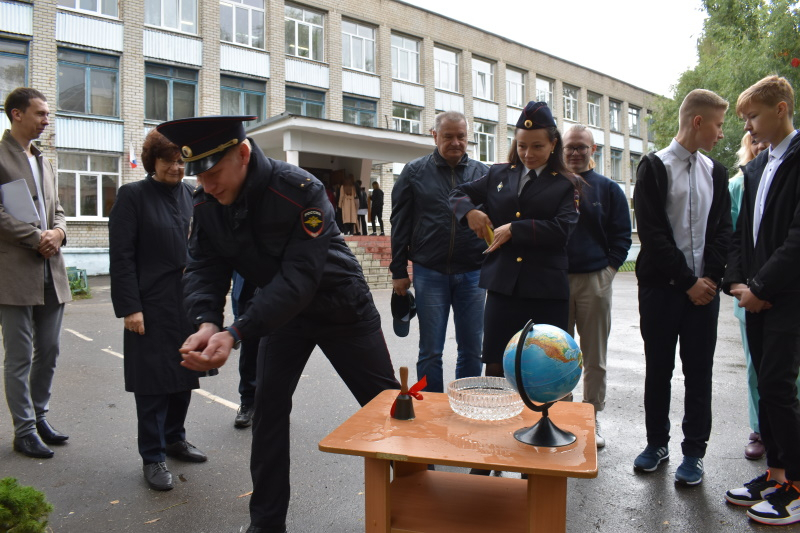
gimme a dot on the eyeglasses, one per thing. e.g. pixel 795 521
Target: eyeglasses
pixel 169 163
pixel 582 149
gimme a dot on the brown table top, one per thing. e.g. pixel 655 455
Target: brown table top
pixel 438 435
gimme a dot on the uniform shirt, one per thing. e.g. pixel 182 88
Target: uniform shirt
pixel 527 177
pixel 690 190
pixel 775 159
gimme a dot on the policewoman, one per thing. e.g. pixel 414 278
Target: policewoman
pixel 529 207
pixel 273 223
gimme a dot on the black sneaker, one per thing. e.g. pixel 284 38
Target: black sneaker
pixel 754 491
pixel 780 508
pixel 244 416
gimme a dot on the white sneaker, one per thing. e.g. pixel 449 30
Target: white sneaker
pixel 601 442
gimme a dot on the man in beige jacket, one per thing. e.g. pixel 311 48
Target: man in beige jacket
pixel 33 279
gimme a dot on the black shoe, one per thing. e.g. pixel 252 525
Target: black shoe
pixel 373 234
pixel 157 476
pixel 244 417
pixel 383 234
pixel 32 446
pixel 254 529
pixel 49 434
pixel 185 452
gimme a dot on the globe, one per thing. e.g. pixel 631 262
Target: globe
pixel 551 363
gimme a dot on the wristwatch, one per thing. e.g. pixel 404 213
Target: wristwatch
pixel 237 341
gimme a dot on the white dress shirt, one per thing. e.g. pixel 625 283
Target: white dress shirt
pixel 527 177
pixel 775 159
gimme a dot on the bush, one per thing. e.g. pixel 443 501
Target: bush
pixel 22 509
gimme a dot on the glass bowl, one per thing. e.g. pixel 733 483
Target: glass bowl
pixel 484 398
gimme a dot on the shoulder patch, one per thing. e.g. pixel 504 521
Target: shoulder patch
pixel 313 221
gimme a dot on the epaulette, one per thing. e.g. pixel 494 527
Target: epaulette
pixel 297 179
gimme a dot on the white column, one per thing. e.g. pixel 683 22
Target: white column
pixel 293 157
pixel 366 173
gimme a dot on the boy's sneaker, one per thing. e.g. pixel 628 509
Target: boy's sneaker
pixel 650 458
pixel 754 491
pixel 781 507
pixel 598 438
pixel 691 471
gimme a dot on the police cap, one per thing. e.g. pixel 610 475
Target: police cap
pixel 535 116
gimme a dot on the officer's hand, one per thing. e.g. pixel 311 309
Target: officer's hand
pixel 214 355
pixel 501 236
pixel 135 322
pixel 401 285
pixel 478 221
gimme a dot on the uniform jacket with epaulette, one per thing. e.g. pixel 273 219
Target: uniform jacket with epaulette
pixel 279 234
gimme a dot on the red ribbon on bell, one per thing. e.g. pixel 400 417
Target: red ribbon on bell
pixel 403 406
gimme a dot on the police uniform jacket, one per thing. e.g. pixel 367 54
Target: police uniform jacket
pixel 533 264
pixel 279 234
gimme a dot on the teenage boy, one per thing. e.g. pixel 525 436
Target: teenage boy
pixel 763 274
pixel 683 214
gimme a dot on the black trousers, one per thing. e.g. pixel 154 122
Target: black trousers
pixel 359 355
pixel 161 422
pixel 774 340
pixel 376 215
pixel 666 315
pixel 248 365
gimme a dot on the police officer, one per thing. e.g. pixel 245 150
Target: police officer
pixel 532 207
pixel 273 223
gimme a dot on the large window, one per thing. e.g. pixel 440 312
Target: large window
pixel 178 15
pixel 485 140
pixel 304 32
pixel 243 97
pixel 614 110
pixel 571 103
pixel 88 83
pixel 169 92
pixel 242 22
pixel 544 91
pixel 616 165
pixel 633 121
pixel 87 184
pixel 482 79
pixel 361 112
pixel 358 46
pixel 405 58
pixel 593 110
pixel 96 7
pixel 515 88
pixel 406 119
pixel 598 160
pixel 445 69
pixel 13 67
pixel 305 103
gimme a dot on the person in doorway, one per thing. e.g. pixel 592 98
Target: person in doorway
pixel 348 203
pixel 363 208
pixel 376 207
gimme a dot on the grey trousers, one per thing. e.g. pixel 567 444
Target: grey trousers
pixel 31 336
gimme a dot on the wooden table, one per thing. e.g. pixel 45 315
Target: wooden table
pixel 418 500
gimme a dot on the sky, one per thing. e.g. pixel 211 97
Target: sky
pixel 645 43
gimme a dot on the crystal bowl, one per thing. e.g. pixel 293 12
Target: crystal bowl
pixel 484 398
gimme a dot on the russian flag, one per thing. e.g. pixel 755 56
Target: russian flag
pixel 132 157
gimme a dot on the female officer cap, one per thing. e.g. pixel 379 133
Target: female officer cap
pixel 535 116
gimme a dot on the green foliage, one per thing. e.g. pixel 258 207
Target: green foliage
pixel 742 42
pixel 22 509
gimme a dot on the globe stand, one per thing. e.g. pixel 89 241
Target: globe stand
pixel 544 432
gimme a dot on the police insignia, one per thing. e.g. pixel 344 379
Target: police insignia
pixel 500 186
pixel 313 223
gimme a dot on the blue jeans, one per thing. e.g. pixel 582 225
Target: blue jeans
pixel 435 293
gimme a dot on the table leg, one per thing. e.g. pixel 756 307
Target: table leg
pixel 376 489
pixel 547 504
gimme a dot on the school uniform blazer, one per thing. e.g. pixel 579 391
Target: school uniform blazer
pixel 533 264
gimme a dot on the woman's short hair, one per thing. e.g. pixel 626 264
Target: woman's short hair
pixel 768 91
pixel 155 146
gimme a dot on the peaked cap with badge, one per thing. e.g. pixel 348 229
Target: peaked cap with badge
pixel 536 116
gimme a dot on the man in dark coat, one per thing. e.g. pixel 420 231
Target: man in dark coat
pixel 273 223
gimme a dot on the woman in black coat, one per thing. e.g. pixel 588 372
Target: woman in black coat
pixel 532 207
pixel 148 233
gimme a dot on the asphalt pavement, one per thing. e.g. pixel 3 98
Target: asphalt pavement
pixel 95 482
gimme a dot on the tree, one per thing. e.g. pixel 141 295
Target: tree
pixel 742 42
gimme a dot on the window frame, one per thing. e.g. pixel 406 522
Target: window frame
pixel 243 92
pixel 634 121
pixel 571 98
pixel 88 69
pixel 616 166
pixel 545 96
pixel 487 139
pixel 517 88
pixel 15 55
pixel 148 4
pixel 634 161
pixel 360 111
pixel 593 107
pixel 97 12
pixel 305 101
pixel 597 156
pixel 614 115
pixel 413 123
pixel 234 5
pixel 171 93
pixel 312 41
pixel 407 53
pixel 487 79
pixel 368 45
pixel 77 186
pixel 452 69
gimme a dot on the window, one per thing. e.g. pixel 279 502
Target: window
pixel 593 109
pixel 515 88
pixel 243 97
pixel 242 22
pixel 634 165
pixel 88 83
pixel 544 91
pixel 358 46
pixel 361 112
pixel 13 67
pixel 96 7
pixel 484 138
pixel 305 103
pixel 510 133
pixel 178 15
pixel 598 160
pixel 445 69
pixel 613 115
pixel 651 126
pixel 571 103
pixel 406 119
pixel 482 79
pixel 304 32
pixel 169 92
pixel 405 58
pixel 633 121
pixel 87 184
pixel 616 165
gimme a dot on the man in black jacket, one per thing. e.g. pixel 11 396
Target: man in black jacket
pixel 684 221
pixel 446 255
pixel 273 223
